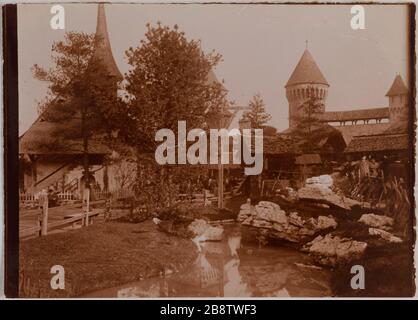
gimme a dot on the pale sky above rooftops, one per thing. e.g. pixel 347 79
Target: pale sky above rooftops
pixel 260 44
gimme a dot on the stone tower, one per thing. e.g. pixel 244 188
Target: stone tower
pixel 398 101
pixel 305 82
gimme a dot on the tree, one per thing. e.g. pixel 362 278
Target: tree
pixel 309 129
pixel 168 82
pixel 81 99
pixel 257 114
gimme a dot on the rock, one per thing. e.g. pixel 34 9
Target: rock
pixel 333 250
pixel 270 211
pixel 280 225
pixel 377 221
pixel 246 210
pixel 323 223
pixel 322 194
pixel 295 219
pixel 205 232
pixel 198 227
pixel 156 221
pixel 323 180
pixel 387 236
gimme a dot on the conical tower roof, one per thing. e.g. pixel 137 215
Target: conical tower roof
pixel 398 87
pixel 306 71
pixel 104 50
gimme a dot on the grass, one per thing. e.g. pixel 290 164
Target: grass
pixel 100 256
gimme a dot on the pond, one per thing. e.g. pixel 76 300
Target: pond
pixel 231 268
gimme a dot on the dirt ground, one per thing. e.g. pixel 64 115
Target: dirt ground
pixel 100 256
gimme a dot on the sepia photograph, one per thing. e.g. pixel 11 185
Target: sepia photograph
pixel 216 150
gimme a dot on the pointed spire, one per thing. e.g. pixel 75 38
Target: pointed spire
pixel 211 78
pixel 398 87
pixel 306 71
pixel 104 50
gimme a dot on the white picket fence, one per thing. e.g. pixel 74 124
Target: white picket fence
pixel 28 198
pixel 68 195
pixel 113 194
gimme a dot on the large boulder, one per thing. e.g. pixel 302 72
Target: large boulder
pixel 384 235
pixel 321 181
pixel 321 193
pixel 271 212
pixel 377 221
pixel 333 250
pixel 280 225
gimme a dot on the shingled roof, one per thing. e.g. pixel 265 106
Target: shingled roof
pixel 46 137
pixel 360 114
pixel 306 71
pixel 398 87
pixel 278 145
pixel 351 131
pixel 378 143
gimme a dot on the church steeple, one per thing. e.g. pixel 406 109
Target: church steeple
pixel 104 50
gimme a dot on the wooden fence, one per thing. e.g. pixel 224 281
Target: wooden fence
pixel 113 194
pixel 25 197
pixel 68 195
pixel 33 198
pixel 43 226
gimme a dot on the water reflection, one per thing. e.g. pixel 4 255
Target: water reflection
pixel 230 269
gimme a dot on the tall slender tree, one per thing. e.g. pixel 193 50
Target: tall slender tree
pixel 81 99
pixel 309 128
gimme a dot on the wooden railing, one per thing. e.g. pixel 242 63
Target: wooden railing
pixel 43 226
pixel 38 230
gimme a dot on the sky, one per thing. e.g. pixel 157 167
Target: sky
pixel 260 45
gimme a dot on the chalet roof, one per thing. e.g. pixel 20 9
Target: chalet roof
pixel 361 114
pixel 43 137
pixel 278 144
pixel 397 127
pixel 306 71
pixel 104 50
pixel 308 158
pixel 398 87
pixel 384 142
pixel 351 131
pixel 322 135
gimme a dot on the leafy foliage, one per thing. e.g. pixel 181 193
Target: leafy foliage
pixel 169 81
pixel 257 114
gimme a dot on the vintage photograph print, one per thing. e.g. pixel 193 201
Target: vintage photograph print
pixel 216 150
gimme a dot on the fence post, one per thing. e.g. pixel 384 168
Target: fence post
pixel 39 225
pixel 87 206
pixel 44 224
